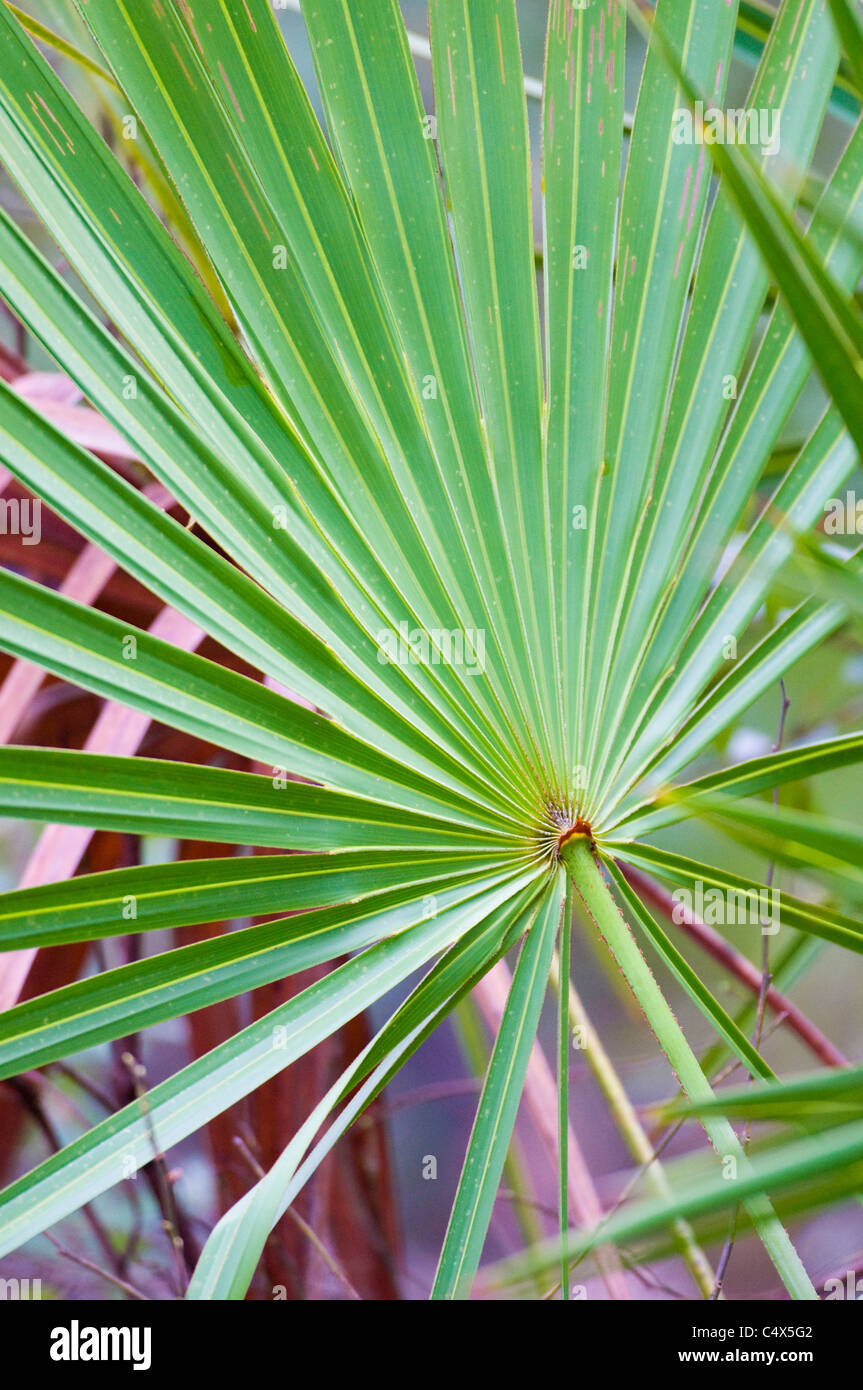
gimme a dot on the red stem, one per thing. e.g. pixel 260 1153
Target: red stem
pixel 749 974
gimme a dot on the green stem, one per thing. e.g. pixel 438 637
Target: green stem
pixel 563 1087
pixel 633 1132
pixel 586 875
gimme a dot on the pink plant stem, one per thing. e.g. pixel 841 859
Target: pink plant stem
pixel 738 965
pixel 540 1098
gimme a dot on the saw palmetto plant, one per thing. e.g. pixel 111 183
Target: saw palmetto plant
pixel 491 540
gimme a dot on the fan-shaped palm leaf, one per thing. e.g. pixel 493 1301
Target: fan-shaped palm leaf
pixel 477 541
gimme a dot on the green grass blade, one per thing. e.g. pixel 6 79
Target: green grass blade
pixel 731 280
pixel 157 897
pixel 754 775
pixel 198 696
pixel 131 997
pixel 788 1164
pixel 655 253
pixel 831 327
pixel 829 1097
pixel 794 837
pixel 498 1103
pixel 482 126
pixel 582 138
pixel 846 17
pixel 749 897
pixel 234 1246
pixel 385 143
pixel 177 1107
pixel 151 796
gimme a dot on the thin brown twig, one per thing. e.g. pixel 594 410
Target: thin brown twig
pixel 86 1084
pixel 97 1269
pixel 167 1199
pixel 660 1144
pixel 650 1279
pixel 122 1257
pixel 25 1089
